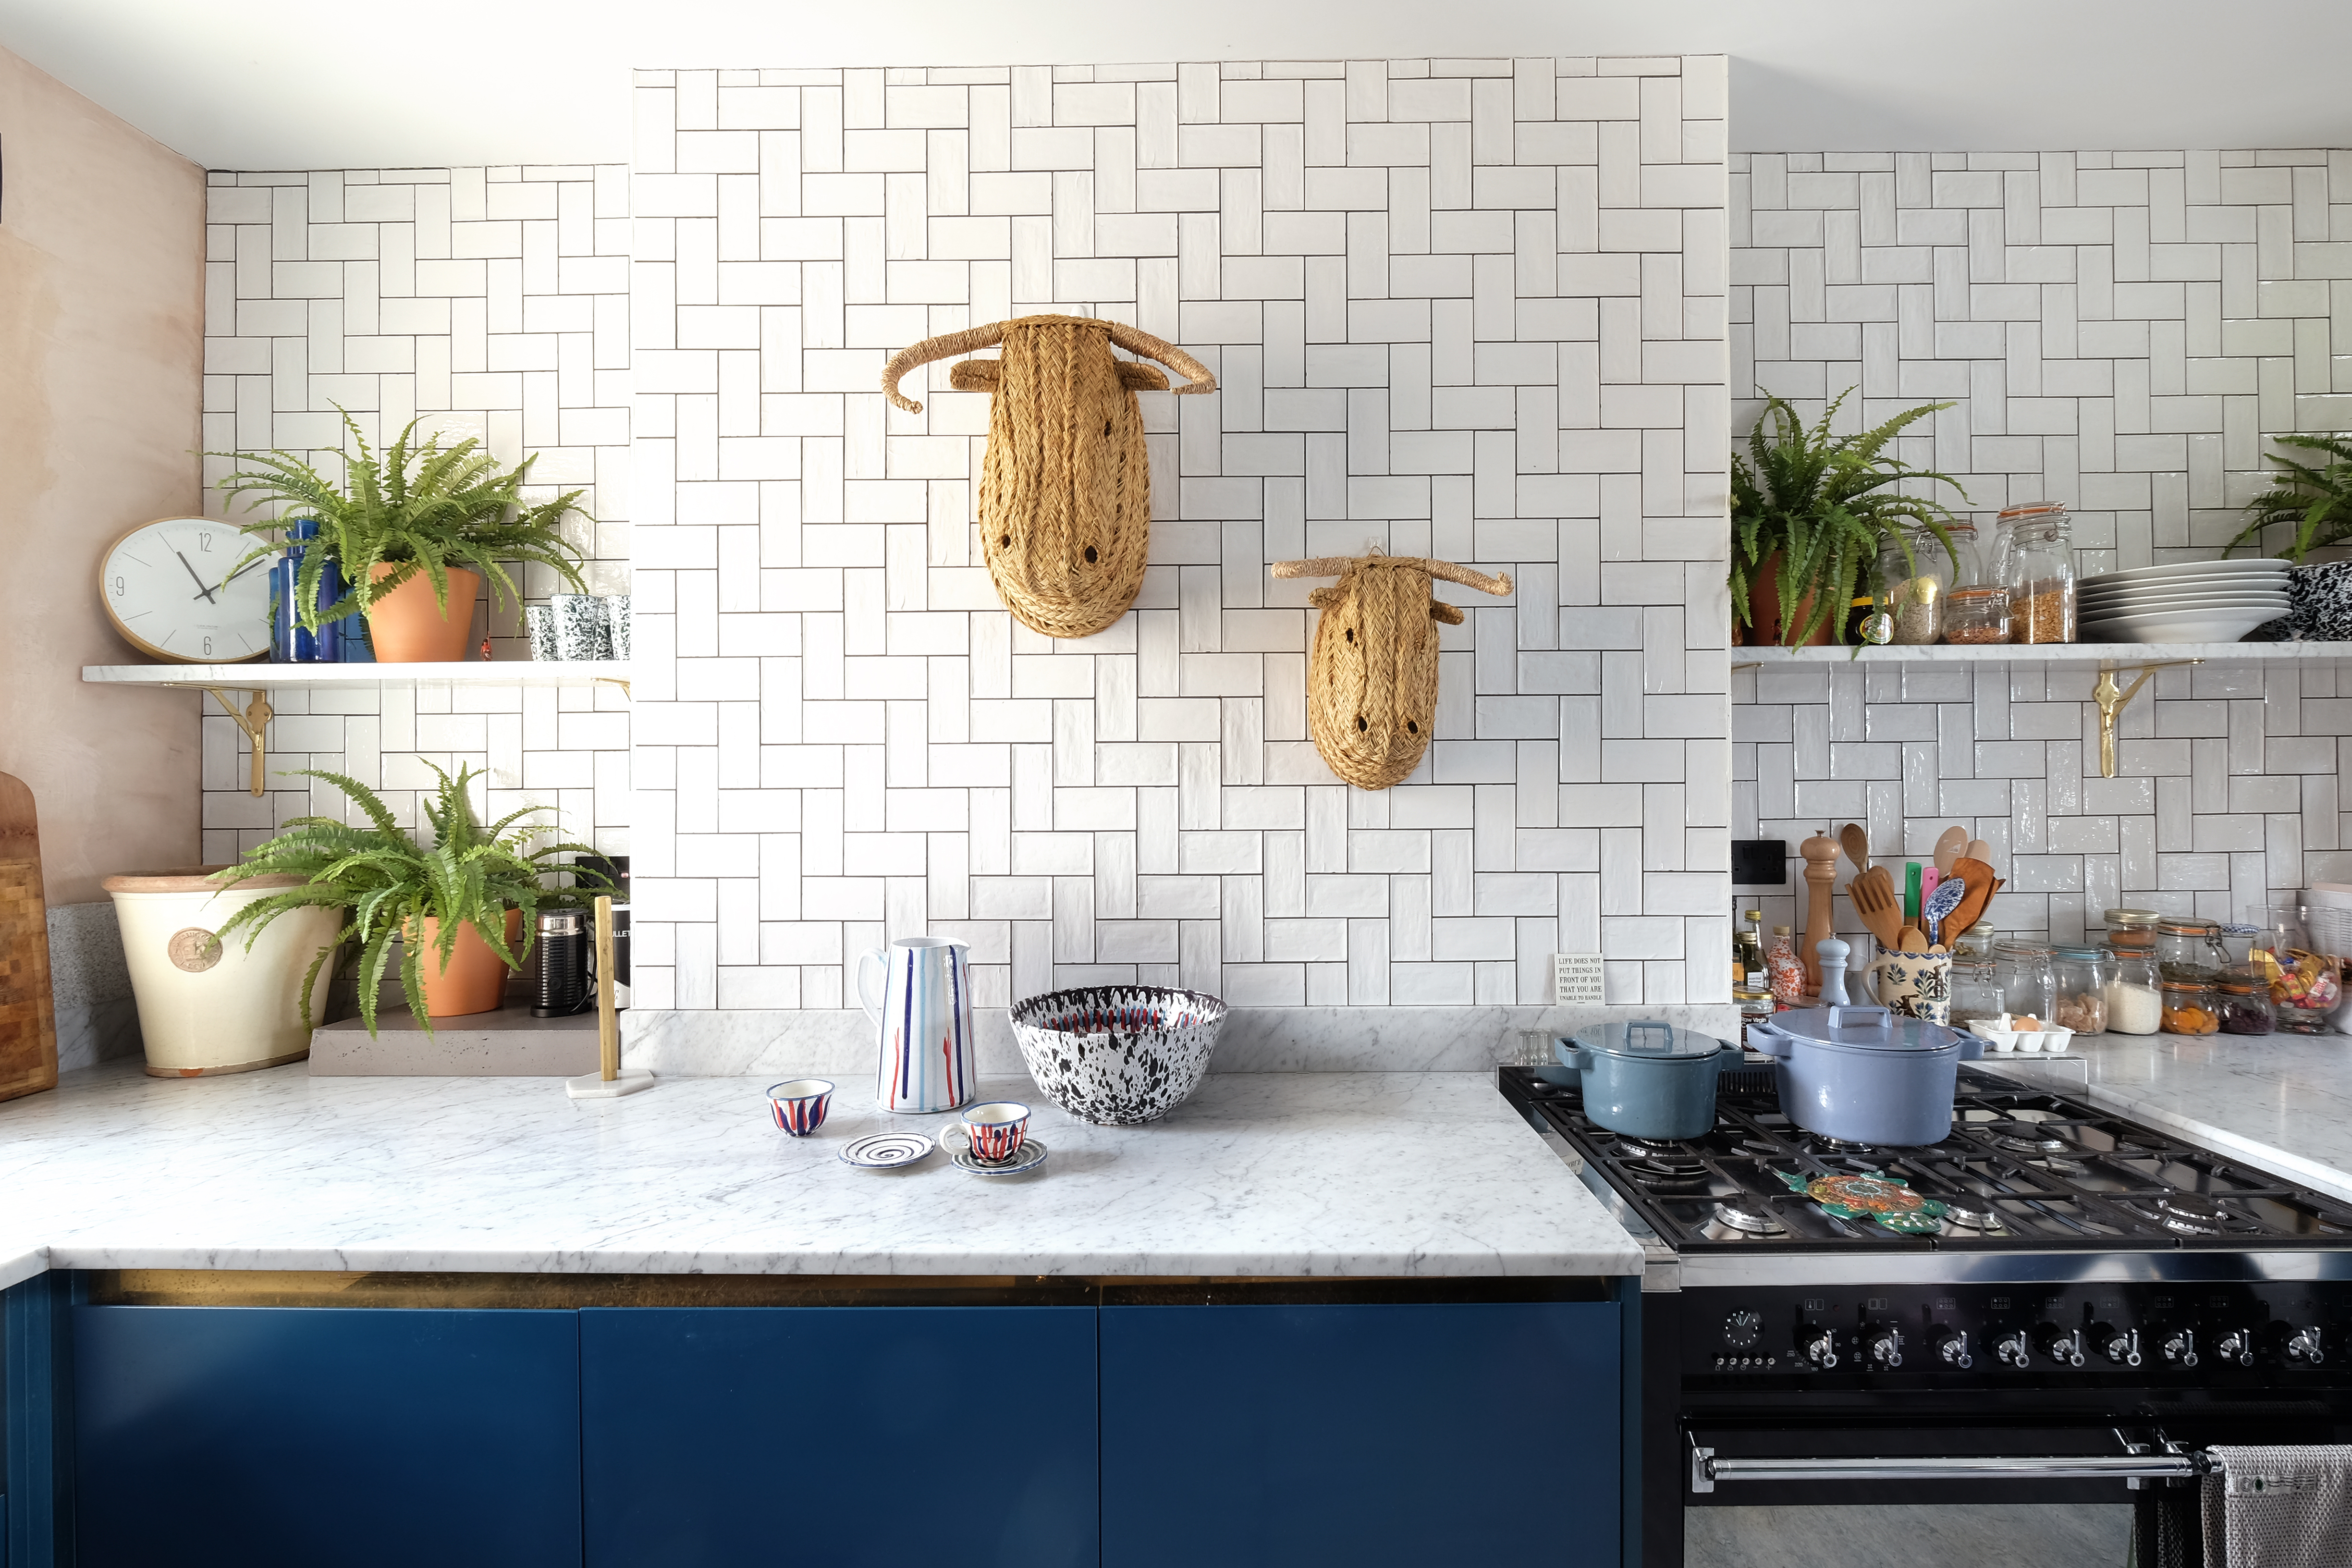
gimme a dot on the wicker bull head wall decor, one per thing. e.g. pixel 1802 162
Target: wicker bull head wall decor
pixel 1372 678
pixel 1065 487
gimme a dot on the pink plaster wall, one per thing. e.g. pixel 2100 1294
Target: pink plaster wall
pixel 102 340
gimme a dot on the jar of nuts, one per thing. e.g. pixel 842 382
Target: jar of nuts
pixel 2081 974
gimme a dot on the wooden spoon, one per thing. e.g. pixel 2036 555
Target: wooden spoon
pixel 1913 941
pixel 1950 845
pixel 1978 878
pixel 1978 849
pixel 1880 907
pixel 1857 844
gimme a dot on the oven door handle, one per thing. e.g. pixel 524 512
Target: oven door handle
pixel 1708 1468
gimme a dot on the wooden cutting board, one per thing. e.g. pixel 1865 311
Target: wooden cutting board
pixel 28 1025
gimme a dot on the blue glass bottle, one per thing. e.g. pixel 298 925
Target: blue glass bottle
pixel 291 641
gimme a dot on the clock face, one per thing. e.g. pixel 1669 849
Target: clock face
pixel 163 585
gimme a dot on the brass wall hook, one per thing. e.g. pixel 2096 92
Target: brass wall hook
pixel 254 721
pixel 2113 699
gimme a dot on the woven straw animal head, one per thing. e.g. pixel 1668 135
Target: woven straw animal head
pixel 1372 679
pixel 1066 488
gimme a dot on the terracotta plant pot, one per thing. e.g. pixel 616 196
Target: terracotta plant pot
pixel 1763 628
pixel 408 627
pixel 475 978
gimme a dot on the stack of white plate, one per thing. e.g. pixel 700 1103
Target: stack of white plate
pixel 2193 601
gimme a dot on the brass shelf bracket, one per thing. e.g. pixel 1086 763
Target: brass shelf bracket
pixel 253 719
pixel 2113 699
pixel 617 680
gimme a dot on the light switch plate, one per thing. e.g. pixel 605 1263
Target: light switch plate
pixel 1575 977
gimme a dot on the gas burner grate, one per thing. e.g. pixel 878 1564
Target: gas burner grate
pixel 1748 1216
pixel 2192 1214
pixel 1969 1211
pixel 1680 1174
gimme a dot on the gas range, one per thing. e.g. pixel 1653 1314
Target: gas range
pixel 2051 1305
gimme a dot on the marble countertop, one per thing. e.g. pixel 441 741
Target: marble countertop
pixel 2282 1101
pixel 1427 1173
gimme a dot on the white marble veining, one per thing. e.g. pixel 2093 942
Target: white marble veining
pixel 839 1043
pixel 2282 1102
pixel 1265 1174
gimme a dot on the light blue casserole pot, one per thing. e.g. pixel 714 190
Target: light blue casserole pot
pixel 1644 1078
pixel 1864 1075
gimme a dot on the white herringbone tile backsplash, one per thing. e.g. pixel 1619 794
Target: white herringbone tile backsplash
pixel 1472 308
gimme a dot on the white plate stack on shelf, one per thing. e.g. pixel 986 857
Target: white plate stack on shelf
pixel 2191 601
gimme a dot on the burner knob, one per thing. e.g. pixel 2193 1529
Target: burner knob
pixel 2120 1346
pixel 2303 1348
pixel 1884 1345
pixel 1819 1348
pixel 2064 1348
pixel 2013 1350
pixel 1952 1349
pixel 2180 1350
pixel 2237 1345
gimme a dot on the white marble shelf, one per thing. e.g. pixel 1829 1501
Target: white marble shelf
pixel 2121 654
pixel 256 674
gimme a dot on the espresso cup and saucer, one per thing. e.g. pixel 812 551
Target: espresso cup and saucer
pixel 995 1139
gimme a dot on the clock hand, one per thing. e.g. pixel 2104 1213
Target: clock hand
pixel 202 592
pixel 235 574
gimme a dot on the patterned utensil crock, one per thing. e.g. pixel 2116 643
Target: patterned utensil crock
pixel 919 995
pixel 1913 985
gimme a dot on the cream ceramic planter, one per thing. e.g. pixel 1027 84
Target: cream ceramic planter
pixel 207 1006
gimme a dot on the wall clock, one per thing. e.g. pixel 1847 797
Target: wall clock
pixel 167 587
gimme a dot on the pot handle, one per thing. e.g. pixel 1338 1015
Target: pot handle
pixel 1573 1057
pixel 1659 1026
pixel 1972 1044
pixel 1762 1036
pixel 1862 1015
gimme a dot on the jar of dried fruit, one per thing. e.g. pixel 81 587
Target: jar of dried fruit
pixel 2081 973
pixel 2245 999
pixel 2191 1009
pixel 2039 567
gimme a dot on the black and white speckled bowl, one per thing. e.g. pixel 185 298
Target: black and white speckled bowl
pixel 1118 1054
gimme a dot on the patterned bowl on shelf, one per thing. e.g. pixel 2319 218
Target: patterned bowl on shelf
pixel 1118 1054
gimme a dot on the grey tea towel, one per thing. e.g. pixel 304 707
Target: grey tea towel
pixel 2280 1507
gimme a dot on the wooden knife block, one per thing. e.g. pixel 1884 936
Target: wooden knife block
pixel 28 1025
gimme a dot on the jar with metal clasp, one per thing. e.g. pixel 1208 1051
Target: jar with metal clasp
pixel 2023 970
pixel 2189 951
pixel 2039 567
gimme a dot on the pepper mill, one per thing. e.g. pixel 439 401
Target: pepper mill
pixel 1821 853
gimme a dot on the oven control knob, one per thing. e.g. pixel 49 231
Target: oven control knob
pixel 1952 1349
pixel 2303 1348
pixel 2237 1345
pixel 1884 1345
pixel 1819 1348
pixel 2119 1346
pixel 2013 1350
pixel 2059 1345
pixel 2180 1350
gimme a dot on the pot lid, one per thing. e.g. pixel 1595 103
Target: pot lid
pixel 1645 1038
pixel 1863 1028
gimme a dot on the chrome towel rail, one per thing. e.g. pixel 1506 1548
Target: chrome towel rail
pixel 1708 1468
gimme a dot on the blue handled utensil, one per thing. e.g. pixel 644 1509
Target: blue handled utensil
pixel 1941 903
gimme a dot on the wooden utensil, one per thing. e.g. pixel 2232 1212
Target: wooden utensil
pixel 1980 883
pixel 1950 843
pixel 1978 850
pixel 1913 941
pixel 1857 844
pixel 1878 904
pixel 1821 853
pixel 28 1030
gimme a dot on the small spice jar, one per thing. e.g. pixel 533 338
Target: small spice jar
pixel 2128 928
pixel 1976 992
pixel 2245 1003
pixel 2190 951
pixel 2135 998
pixel 2039 569
pixel 1918 573
pixel 1976 610
pixel 2028 988
pixel 2191 1009
pixel 2080 975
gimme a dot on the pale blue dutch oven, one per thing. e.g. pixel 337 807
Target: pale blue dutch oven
pixel 1645 1079
pixel 1862 1075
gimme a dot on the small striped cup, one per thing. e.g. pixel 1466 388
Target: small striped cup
pixel 996 1131
pixel 799 1106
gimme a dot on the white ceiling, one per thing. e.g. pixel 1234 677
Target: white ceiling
pixel 297 84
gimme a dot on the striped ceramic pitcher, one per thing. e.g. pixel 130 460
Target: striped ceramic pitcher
pixel 921 1003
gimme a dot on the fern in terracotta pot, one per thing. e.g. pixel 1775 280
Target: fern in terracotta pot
pixel 1810 512
pixel 417 528
pixel 457 904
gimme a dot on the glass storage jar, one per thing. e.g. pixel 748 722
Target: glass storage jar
pixel 2129 929
pixel 2022 969
pixel 2245 999
pixel 2305 984
pixel 1976 992
pixel 2190 1008
pixel 2080 976
pixel 2190 951
pixel 2039 569
pixel 1916 585
pixel 1976 608
pixel 2134 992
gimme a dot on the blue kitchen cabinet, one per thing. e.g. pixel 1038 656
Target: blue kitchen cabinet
pixel 1361 1435
pixel 260 1437
pixel 840 1437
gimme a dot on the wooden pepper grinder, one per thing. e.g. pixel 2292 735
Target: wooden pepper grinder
pixel 1821 853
